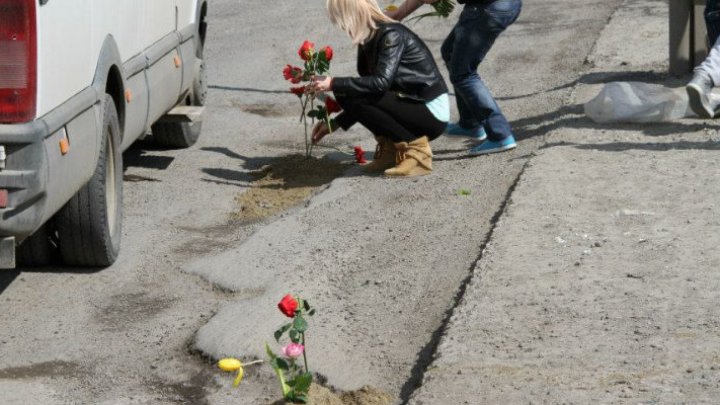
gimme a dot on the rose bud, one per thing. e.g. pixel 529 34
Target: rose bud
pixel 328 52
pixel 288 305
pixel 306 50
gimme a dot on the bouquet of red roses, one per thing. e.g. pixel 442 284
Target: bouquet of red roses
pixel 316 62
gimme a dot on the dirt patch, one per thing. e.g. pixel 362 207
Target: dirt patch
pixel 366 395
pixel 285 183
pixel 125 309
pixel 52 369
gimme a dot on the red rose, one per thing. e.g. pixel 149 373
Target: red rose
pixel 293 73
pixel 331 105
pixel 328 52
pixel 306 50
pixel 298 91
pixel 288 305
pixel 359 155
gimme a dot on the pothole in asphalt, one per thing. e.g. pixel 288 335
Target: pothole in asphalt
pixel 267 110
pixel 367 395
pixel 284 183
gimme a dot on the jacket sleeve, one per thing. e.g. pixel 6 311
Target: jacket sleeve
pixel 390 49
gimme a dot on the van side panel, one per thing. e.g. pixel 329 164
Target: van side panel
pixel 186 12
pixel 159 20
pixel 64 60
pixel 137 109
pixel 123 21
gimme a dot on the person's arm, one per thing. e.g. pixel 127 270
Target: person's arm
pixel 390 49
pixel 406 8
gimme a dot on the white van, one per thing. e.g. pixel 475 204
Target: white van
pixel 80 81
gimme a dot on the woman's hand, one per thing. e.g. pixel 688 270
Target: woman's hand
pixel 406 8
pixel 320 84
pixel 321 129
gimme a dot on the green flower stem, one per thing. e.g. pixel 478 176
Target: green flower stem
pixel 283 385
pixel 304 351
pixel 334 148
pixel 312 120
pixel 306 137
pixel 304 106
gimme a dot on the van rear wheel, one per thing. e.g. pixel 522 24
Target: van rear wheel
pixel 89 225
pixel 170 134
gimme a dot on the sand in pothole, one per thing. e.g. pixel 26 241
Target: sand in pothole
pixel 366 395
pixel 284 183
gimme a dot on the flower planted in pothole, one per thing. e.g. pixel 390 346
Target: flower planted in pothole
pixel 295 379
pixel 315 62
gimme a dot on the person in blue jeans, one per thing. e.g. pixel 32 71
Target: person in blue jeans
pixel 707 74
pixel 479 25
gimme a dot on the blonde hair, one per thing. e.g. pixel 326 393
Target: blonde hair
pixel 358 18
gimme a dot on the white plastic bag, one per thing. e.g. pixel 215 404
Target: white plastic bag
pixel 638 102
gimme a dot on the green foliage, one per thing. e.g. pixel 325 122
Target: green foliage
pixel 281 331
pixel 296 388
pixel 300 324
pixel 303 381
pixel 295 336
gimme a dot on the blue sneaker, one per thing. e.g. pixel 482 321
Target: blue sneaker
pixel 493 146
pixel 476 134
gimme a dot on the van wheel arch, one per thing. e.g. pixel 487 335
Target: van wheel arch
pixel 109 78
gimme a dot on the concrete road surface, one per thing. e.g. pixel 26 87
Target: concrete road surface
pixel 385 261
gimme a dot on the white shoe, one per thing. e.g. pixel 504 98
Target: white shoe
pixel 698 93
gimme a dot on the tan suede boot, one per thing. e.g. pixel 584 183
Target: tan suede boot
pixel 413 158
pixel 384 157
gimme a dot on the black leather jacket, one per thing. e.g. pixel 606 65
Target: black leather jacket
pixel 394 59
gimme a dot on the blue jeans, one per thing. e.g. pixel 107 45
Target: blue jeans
pixel 470 40
pixel 712 20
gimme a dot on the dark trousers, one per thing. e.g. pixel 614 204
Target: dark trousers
pixel 470 40
pixel 712 20
pixel 399 119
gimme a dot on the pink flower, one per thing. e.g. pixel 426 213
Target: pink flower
pixel 293 350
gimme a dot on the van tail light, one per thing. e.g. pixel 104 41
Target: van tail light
pixel 18 61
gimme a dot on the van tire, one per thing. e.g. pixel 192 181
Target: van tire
pixel 90 224
pixel 180 135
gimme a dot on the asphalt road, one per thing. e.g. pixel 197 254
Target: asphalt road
pixel 128 334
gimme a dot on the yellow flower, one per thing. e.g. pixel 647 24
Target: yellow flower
pixel 391 7
pixel 231 364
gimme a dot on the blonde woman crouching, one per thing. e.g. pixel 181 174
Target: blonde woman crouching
pixel 400 95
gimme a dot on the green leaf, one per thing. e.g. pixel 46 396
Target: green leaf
pixel 282 363
pixel 303 399
pixel 303 381
pixel 269 351
pixel 299 324
pixel 311 312
pixel 463 191
pixel 306 305
pixel 294 336
pixel 279 332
